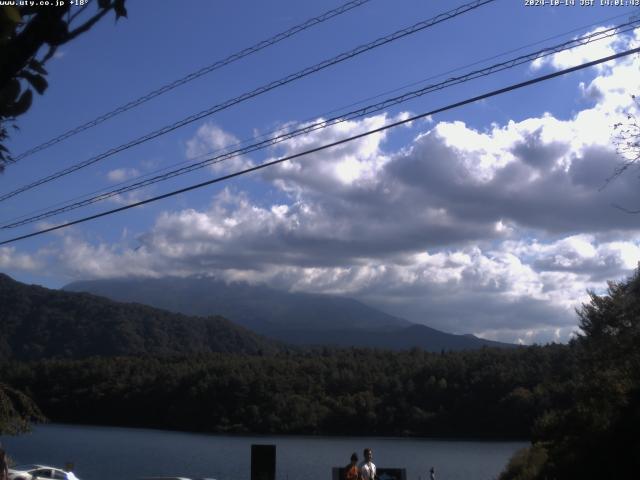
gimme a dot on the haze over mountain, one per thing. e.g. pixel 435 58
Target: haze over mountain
pixel 37 322
pixel 299 318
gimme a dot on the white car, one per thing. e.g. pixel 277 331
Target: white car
pixel 39 472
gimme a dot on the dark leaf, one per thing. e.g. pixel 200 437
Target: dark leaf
pixel 37 81
pixel 36 66
pixel 104 4
pixel 6 31
pixel 118 7
pixel 22 105
pixel 9 94
pixel 56 32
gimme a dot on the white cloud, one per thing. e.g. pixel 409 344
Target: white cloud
pixel 346 167
pixel 600 259
pixel 463 291
pixel 607 46
pixel 128 197
pixel 122 174
pixel 10 260
pixel 80 259
pixel 211 141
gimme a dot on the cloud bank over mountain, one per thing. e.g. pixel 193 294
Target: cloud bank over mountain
pixel 497 232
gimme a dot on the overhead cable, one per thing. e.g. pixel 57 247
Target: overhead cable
pixel 322 115
pixel 192 76
pixel 258 91
pixel 355 114
pixel 486 59
pixel 330 145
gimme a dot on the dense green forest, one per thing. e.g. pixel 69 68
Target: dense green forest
pixel 484 393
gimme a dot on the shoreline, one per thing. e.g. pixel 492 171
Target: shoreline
pixel 323 436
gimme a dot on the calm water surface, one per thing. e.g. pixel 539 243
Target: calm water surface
pixel 109 453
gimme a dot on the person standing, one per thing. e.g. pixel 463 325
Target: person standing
pixel 4 467
pixel 367 467
pixel 432 474
pixel 352 472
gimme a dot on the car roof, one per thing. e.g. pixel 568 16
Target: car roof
pixel 35 466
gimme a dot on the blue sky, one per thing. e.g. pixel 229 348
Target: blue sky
pixel 486 219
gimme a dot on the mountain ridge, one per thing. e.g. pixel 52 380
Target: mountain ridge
pixel 38 323
pixel 297 318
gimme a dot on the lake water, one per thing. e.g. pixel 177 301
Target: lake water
pixel 110 453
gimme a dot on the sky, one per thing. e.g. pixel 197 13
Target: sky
pixel 494 218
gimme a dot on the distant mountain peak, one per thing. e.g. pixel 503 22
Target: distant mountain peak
pixel 296 317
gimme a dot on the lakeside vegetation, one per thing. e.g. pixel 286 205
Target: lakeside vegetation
pixel 486 393
pixel 593 434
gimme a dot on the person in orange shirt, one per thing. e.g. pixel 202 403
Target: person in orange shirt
pixel 352 472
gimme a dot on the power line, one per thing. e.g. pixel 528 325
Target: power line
pixel 333 144
pixel 309 119
pixel 194 75
pixel 486 59
pixel 580 41
pixel 260 90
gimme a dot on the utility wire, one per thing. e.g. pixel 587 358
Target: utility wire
pixel 194 75
pixel 486 59
pixel 596 36
pixel 333 144
pixel 98 195
pixel 322 115
pixel 263 89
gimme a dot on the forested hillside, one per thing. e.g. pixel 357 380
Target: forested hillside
pixel 40 323
pixel 485 393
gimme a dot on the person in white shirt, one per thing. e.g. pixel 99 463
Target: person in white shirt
pixel 367 467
